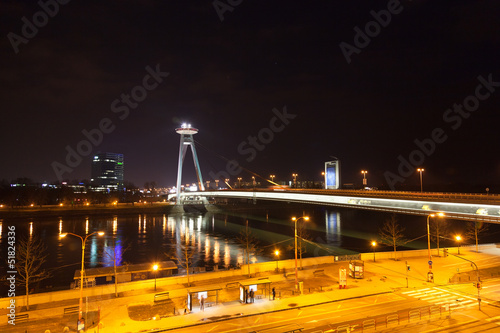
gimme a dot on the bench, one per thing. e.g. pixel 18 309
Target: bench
pixel 319 272
pixel 161 297
pixel 71 310
pixel 19 318
pixel 289 274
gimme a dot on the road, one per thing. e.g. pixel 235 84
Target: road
pixel 424 309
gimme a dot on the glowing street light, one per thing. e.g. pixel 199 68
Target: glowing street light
pixel 294 219
pixel 421 170
pixel 239 182
pixel 100 233
pixel 294 175
pixel 155 269
pixel 272 177
pixel 277 254
pixel 458 238
pixel 364 172
pixel 374 244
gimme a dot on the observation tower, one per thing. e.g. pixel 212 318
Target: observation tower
pixel 187 132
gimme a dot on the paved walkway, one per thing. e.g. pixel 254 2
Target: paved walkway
pixel 381 276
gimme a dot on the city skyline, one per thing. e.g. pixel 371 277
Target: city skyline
pixel 281 88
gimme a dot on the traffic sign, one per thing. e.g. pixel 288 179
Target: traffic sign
pixel 430 262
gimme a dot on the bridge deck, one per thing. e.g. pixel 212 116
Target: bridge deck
pixel 472 207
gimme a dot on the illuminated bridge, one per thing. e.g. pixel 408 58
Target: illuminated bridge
pixel 470 207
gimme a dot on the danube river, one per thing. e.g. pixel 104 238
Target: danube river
pixel 148 238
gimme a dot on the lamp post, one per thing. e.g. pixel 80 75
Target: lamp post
pixel 272 177
pixel 364 172
pixel 155 269
pixel 458 238
pixel 100 233
pixel 429 237
pixel 239 182
pixel 294 175
pixel 294 219
pixel 420 170
pixel 277 254
pixel 373 246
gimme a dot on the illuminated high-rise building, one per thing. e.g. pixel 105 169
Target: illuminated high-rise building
pixel 107 172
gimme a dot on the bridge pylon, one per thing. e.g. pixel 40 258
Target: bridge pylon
pixel 187 132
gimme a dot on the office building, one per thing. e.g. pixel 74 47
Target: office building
pixel 107 172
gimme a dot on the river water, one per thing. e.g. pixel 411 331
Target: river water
pixel 148 238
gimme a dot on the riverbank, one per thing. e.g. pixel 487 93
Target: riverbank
pixel 78 210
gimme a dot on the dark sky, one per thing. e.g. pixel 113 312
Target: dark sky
pixel 226 77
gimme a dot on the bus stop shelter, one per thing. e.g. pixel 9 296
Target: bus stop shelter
pixel 261 288
pixel 209 293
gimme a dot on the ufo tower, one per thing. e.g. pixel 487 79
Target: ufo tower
pixel 187 132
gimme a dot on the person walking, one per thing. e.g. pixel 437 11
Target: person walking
pixel 274 293
pixel 252 299
pixel 202 303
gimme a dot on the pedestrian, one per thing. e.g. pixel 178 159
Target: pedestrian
pixel 252 300
pixel 246 296
pixel 274 293
pixel 202 303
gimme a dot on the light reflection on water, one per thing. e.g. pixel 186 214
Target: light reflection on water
pixel 145 238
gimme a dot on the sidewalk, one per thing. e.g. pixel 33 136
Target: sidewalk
pixel 381 276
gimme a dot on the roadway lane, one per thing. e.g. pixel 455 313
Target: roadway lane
pixel 310 317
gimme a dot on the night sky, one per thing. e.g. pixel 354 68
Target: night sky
pixel 358 80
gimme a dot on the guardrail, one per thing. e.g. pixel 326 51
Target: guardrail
pixel 391 320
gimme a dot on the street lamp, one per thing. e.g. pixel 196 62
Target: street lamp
pixel 272 177
pixel 239 182
pixel 294 219
pixel 420 170
pixel 373 246
pixel 364 172
pixel 155 269
pixel 100 233
pixel 429 237
pixel 277 254
pixel 458 238
pixel 294 175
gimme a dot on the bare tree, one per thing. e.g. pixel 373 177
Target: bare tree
pixel 474 230
pixel 111 254
pixel 391 234
pixel 249 244
pixel 30 255
pixel 437 228
pixel 184 255
pixel 301 234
